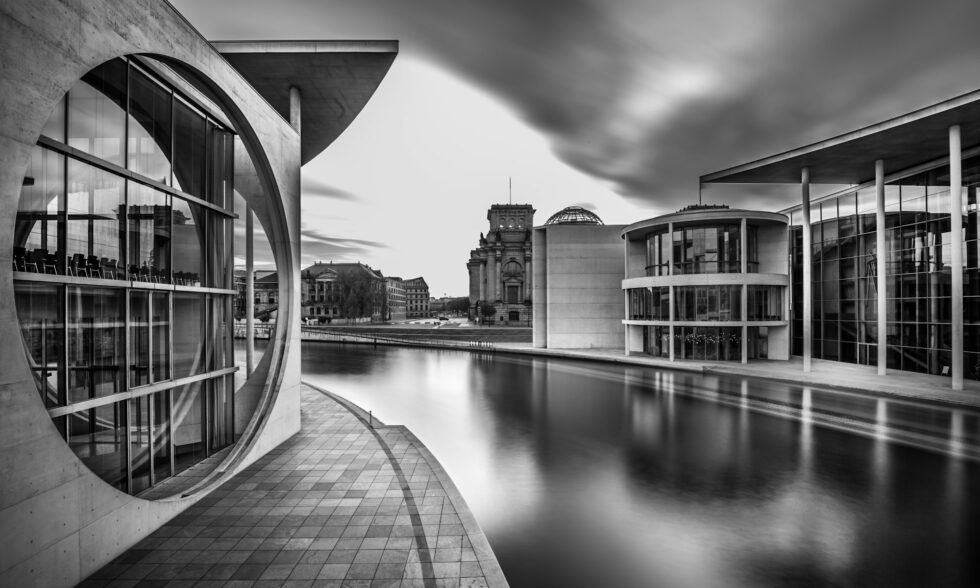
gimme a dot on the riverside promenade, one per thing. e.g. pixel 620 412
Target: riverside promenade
pixel 828 374
pixel 345 502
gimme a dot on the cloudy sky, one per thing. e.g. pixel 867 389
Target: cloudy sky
pixel 618 105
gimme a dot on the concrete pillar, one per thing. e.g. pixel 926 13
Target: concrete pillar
pixel 956 263
pixel 528 277
pixel 670 267
pixel 670 293
pixel 807 273
pixel 483 280
pixel 882 267
pixel 496 277
pixel 249 291
pixel 295 109
pixel 743 246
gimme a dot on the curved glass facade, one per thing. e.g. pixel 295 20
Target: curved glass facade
pixel 122 272
pixel 701 249
pixel 918 287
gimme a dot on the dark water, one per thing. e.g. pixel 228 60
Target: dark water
pixel 587 474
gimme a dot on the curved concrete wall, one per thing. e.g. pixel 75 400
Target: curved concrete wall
pixel 58 521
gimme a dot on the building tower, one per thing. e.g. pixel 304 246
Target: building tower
pixel 500 268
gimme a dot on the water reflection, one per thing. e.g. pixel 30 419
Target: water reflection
pixel 586 474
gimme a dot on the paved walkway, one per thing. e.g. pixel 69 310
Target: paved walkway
pixel 339 504
pixel 832 374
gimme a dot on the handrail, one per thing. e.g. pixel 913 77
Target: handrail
pixel 350 333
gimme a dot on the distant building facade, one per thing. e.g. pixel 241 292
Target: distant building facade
pixel 416 298
pixel 348 292
pixel 500 268
pixel 395 296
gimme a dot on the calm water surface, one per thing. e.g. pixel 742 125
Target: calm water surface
pixel 587 474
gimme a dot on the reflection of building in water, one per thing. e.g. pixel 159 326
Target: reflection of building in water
pixel 500 268
pixel 119 266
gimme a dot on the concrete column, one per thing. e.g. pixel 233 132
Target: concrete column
pixel 743 252
pixel 670 268
pixel 483 280
pixel 670 291
pixel 956 263
pixel 496 277
pixel 807 273
pixel 249 291
pixel 881 267
pixel 295 108
pixel 528 276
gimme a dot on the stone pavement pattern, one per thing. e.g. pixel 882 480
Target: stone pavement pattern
pixel 339 504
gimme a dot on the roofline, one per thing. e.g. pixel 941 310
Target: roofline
pixel 915 115
pixel 307 46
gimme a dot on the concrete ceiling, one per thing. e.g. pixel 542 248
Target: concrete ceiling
pixel 913 139
pixel 335 79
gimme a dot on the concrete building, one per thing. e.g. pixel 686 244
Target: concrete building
pixel 125 134
pixel 885 270
pixel 416 298
pixel 578 266
pixel 707 283
pixel 500 269
pixel 395 299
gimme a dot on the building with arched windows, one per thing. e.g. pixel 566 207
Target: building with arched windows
pixel 132 147
pixel 500 268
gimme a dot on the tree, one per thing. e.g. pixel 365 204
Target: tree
pixel 458 306
pixel 361 295
pixel 486 310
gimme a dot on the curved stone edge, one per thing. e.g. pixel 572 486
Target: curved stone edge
pixel 481 546
pixel 492 572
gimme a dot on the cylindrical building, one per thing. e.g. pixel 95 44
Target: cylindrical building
pixel 707 283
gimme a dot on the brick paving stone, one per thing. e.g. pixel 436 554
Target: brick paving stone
pixel 339 504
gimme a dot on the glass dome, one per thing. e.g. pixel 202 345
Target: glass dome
pixel 574 215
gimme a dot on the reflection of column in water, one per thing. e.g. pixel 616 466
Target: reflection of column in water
pixel 806 432
pixel 881 419
pixel 745 393
pixel 956 433
pixel 744 450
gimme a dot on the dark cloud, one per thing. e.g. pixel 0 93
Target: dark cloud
pixel 651 94
pixel 318 245
pixel 312 186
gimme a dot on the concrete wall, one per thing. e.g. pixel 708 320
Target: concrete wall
pixel 58 521
pixel 773 249
pixel 636 258
pixel 583 269
pixel 539 282
pixel 779 342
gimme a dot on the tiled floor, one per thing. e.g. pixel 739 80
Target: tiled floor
pixel 339 504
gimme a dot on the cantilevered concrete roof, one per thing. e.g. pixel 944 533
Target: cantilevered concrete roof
pixel 903 142
pixel 335 79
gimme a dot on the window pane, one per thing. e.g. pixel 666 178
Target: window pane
pixel 188 425
pixel 95 223
pixel 188 242
pixel 36 231
pixel 139 338
pixel 139 442
pixel 189 150
pixel 150 132
pixel 161 435
pixel 149 214
pixel 98 438
pixel 95 342
pixel 41 315
pixel 221 166
pixel 160 334
pixel 220 262
pixel 97 112
pixel 189 334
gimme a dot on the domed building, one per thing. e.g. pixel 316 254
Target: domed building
pixel 574 215
pixel 578 267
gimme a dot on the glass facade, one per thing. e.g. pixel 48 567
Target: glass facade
pixel 918 246
pixel 123 260
pixel 708 303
